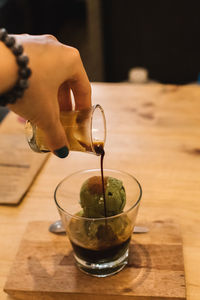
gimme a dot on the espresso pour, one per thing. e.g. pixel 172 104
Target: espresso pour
pixel 100 151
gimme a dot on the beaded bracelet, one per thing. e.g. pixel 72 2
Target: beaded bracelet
pixel 24 72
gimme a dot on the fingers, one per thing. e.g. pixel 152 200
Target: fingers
pixel 82 91
pixel 49 122
pixel 78 80
pixel 64 97
pixel 56 139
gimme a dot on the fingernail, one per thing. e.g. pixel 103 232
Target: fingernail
pixel 62 152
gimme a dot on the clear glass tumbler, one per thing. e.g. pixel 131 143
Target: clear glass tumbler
pixel 84 130
pixel 100 245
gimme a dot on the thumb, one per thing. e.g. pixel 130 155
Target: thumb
pixel 56 139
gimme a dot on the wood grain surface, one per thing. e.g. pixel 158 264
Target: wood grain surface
pixel 45 269
pixel 18 165
pixel 153 132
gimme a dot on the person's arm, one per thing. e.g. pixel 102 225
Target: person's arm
pixel 8 69
pixel 56 69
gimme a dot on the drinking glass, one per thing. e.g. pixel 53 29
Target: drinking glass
pixel 84 129
pixel 100 245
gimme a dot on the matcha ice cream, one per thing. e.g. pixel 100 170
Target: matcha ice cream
pixel 91 197
pixel 99 234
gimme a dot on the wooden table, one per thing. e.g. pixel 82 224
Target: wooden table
pixel 153 132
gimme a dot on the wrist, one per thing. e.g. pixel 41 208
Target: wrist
pixel 8 70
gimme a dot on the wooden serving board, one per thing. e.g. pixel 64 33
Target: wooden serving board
pixel 44 268
pixel 19 165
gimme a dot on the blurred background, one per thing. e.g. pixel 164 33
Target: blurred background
pixel 115 36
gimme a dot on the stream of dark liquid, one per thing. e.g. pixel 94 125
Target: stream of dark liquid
pixel 100 151
pixel 107 252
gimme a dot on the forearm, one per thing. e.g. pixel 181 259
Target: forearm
pixel 8 69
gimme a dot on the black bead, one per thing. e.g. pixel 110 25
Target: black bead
pixel 9 41
pixel 3 100
pixel 11 98
pixel 18 93
pixel 25 72
pixel 22 60
pixel 3 34
pixel 17 49
pixel 23 83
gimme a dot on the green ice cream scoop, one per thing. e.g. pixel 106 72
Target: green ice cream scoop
pixel 92 201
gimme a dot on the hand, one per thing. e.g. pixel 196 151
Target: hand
pixel 57 70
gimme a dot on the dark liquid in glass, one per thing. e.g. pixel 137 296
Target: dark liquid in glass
pixel 97 256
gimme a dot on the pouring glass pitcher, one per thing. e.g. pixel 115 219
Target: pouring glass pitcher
pixel 85 131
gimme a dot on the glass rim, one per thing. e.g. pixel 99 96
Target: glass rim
pixel 101 218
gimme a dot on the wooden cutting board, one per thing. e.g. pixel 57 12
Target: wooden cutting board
pixel 44 268
pixel 19 165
